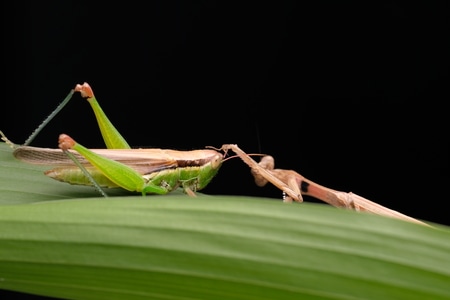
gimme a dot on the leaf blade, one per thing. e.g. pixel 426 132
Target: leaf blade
pixel 221 240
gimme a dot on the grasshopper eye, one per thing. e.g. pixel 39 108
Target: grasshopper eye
pixel 216 161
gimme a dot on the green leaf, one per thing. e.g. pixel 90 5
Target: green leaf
pixel 64 241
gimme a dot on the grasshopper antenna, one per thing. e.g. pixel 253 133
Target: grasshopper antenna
pixel 236 156
pixel 49 118
pixel 226 148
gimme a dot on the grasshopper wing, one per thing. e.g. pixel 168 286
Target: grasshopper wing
pixel 145 161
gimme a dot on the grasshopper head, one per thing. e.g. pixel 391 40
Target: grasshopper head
pixel 209 170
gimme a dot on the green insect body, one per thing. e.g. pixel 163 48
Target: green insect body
pixel 156 177
pixel 164 181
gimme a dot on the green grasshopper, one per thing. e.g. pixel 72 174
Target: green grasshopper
pixel 147 171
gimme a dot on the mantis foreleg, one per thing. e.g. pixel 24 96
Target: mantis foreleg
pixel 264 174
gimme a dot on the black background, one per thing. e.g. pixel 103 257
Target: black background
pixel 351 95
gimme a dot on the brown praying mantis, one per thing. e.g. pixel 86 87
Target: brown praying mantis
pixel 294 185
pixel 160 171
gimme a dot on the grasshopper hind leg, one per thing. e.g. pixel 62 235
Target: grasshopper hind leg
pixel 119 173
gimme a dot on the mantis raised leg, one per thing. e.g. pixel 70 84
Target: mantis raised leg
pixel 294 185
